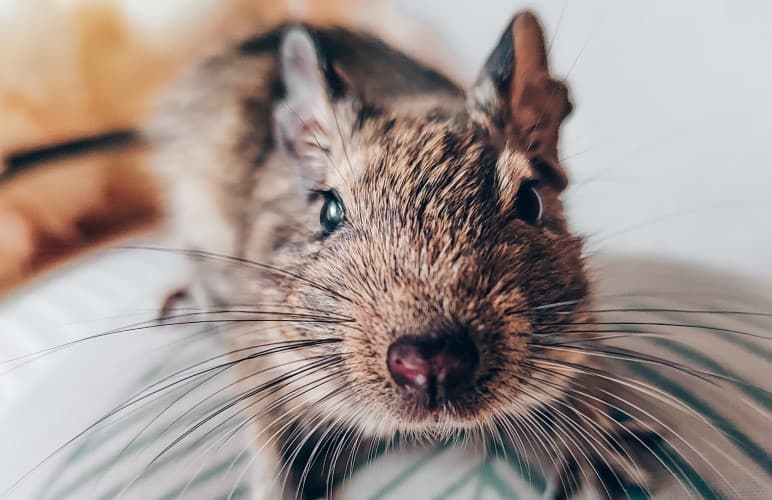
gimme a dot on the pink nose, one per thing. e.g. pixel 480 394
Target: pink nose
pixel 432 364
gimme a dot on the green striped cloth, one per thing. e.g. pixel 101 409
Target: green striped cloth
pixel 724 451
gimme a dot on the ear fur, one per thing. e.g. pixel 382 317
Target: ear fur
pixel 520 100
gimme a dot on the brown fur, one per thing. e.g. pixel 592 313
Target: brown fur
pixel 431 243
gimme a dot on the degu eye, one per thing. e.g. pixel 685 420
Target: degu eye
pixel 333 212
pixel 528 203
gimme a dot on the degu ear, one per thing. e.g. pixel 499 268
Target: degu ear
pixel 304 119
pixel 520 100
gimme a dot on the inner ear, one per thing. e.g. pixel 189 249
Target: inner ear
pixel 521 101
pixel 304 119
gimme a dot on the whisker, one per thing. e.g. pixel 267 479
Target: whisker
pixel 631 383
pixel 146 325
pixel 530 429
pixel 208 398
pixel 130 403
pixel 723 205
pixel 568 421
pixel 610 443
pixel 628 355
pixel 297 415
pixel 300 446
pixel 659 323
pixel 279 347
pixel 233 402
pixel 705 414
pixel 239 260
pixel 587 393
pixel 679 311
pixel 221 427
pixel 568 391
pixel 295 393
pixel 545 401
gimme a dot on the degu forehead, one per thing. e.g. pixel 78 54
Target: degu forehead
pixel 425 166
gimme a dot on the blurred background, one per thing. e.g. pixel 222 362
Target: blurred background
pixel 668 145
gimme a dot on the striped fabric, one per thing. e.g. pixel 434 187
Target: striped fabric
pixel 154 450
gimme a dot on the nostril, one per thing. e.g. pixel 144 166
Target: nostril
pixel 407 365
pixel 456 363
pixel 425 363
